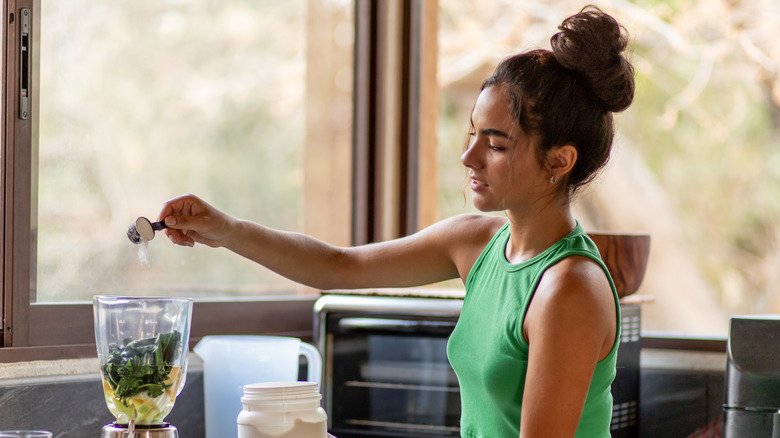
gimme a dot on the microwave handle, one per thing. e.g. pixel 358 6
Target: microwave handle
pixel 386 325
pixel 776 425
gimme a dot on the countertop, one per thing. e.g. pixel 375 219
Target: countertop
pixel 451 293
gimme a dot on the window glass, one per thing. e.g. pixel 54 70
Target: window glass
pixel 246 103
pixel 695 163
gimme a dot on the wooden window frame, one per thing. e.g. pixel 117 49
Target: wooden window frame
pixel 396 107
pixel 386 168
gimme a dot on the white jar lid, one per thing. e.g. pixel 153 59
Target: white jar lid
pixel 270 386
pixel 287 391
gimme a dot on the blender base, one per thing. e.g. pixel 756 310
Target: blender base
pixel 165 430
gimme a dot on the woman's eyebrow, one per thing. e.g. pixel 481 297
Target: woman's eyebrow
pixel 492 132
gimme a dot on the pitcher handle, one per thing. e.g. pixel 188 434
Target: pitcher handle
pixel 314 362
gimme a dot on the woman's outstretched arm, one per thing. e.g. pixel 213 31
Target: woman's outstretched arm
pixel 439 252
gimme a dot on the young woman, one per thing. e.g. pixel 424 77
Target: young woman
pixel 536 344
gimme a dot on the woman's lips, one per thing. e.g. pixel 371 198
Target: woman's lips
pixel 477 185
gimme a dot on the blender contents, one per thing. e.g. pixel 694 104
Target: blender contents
pixel 142 230
pixel 142 346
pixel 141 378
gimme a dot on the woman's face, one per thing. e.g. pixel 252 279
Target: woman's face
pixel 504 171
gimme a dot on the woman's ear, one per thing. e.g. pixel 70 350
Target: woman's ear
pixel 561 160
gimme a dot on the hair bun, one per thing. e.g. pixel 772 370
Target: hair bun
pixel 591 42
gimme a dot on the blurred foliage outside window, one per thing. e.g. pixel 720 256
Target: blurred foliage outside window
pixel 241 101
pixel 141 101
pixel 696 162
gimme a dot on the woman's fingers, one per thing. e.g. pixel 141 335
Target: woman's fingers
pixel 179 237
pixel 190 220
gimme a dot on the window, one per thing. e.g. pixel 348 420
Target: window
pixel 141 101
pixel 346 120
pixel 245 103
pixel 695 162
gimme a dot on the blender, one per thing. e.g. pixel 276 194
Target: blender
pixel 142 346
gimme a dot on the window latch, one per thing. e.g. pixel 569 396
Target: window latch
pixel 24 65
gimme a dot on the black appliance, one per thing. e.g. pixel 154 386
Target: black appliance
pixel 752 405
pixel 386 374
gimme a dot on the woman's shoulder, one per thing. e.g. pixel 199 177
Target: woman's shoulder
pixel 575 284
pixel 467 236
pixel 475 227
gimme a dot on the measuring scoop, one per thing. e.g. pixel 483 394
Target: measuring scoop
pixel 143 230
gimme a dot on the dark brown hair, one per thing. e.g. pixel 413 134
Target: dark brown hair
pixel 567 95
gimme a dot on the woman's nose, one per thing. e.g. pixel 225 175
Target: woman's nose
pixel 469 157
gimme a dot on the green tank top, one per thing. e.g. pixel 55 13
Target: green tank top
pixel 489 352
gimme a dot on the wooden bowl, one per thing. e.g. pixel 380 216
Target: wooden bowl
pixel 626 258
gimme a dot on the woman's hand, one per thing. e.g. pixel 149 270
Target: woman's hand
pixel 190 220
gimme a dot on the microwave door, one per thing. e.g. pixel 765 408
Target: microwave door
pixel 393 377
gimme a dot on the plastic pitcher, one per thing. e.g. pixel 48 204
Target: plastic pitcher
pixel 230 362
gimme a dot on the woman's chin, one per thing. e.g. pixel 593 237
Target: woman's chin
pixel 485 207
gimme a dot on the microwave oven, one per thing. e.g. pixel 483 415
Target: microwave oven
pixel 386 373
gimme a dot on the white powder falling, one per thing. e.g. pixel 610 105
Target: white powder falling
pixel 143 253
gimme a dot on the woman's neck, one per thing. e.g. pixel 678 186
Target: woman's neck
pixel 532 234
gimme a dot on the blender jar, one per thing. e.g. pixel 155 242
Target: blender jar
pixel 142 346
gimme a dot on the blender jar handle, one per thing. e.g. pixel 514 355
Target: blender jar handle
pixel 313 360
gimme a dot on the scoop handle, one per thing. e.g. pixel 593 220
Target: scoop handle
pixel 157 226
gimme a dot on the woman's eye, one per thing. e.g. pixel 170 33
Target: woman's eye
pixel 497 148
